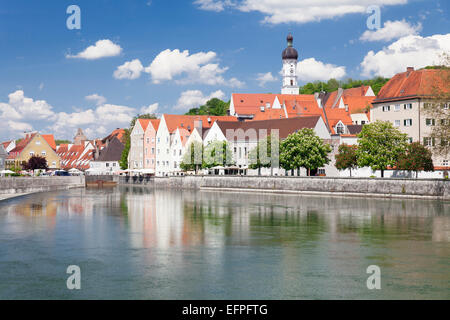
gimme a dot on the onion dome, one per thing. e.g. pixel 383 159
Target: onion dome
pixel 290 53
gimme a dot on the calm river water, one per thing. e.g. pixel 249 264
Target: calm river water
pixel 136 243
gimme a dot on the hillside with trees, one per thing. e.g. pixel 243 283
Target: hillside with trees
pixel 213 107
pixel 333 84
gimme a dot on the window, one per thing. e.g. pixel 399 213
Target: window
pixel 445 163
pixel 407 122
pixel 44 153
pixel 146 150
pixel 153 140
pixel 174 152
pixel 180 152
pixel 158 151
pixel 31 153
pixel 38 142
pixel 386 108
pixel 167 151
pixel 444 142
pixel 148 161
pixel 340 128
pixel 148 140
pixel 114 164
pixel 175 164
pixel 363 122
pixel 157 162
pixel 407 106
pixel 54 163
pixel 410 140
pixel 429 122
pixel 428 141
pixel 107 164
pixel 159 140
pixel 235 150
pixel 397 107
pixel 292 82
pixel 153 150
pixel 444 122
pixel 320 171
pixel 446 106
pixel 396 123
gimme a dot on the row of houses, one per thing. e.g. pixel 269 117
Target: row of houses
pixel 158 145
pixel 99 155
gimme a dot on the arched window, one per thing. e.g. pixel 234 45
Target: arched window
pixel 292 82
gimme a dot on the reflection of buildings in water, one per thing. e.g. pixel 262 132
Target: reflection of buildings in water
pixel 441 229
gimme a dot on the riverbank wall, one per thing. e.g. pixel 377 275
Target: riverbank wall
pixel 11 186
pixel 360 187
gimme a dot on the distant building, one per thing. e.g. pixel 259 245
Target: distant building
pixel 79 137
pixel 34 144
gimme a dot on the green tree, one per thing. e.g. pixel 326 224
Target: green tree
pixel 380 145
pixel 193 157
pixel 213 107
pixel 59 142
pixel 261 156
pixel 304 149
pixel 124 158
pixel 317 86
pixel 217 153
pixel 416 158
pixel 141 116
pixel 437 108
pixel 346 158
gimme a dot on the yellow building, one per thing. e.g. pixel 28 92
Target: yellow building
pixel 34 144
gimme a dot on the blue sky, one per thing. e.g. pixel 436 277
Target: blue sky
pixel 231 45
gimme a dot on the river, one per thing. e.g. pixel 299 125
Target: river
pixel 138 243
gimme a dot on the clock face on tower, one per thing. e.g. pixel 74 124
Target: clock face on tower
pixel 292 70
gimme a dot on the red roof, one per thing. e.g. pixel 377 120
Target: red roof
pixel 50 140
pixel 174 121
pixel 413 84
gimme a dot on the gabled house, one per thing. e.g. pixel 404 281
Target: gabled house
pixel 403 101
pixel 34 144
pixel 172 136
pixel 150 146
pixel 136 153
pixel 107 162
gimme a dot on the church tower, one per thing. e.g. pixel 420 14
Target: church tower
pixel 290 57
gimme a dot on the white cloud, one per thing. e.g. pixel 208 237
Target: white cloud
pixel 101 49
pixel 192 68
pixel 129 70
pixel 150 109
pixel 19 126
pixel 29 108
pixel 96 98
pixel 210 5
pixel 263 78
pixel 410 51
pixel 297 11
pixel 21 113
pixel 391 30
pixel 310 70
pixel 195 98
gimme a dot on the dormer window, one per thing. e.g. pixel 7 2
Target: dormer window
pixel 340 128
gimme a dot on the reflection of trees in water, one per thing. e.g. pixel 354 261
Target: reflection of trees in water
pixel 307 217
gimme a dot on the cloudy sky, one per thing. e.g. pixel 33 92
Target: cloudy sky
pixel 139 56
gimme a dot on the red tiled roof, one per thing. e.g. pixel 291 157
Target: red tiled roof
pixel 50 140
pixel 284 126
pixel 174 121
pixel 413 84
